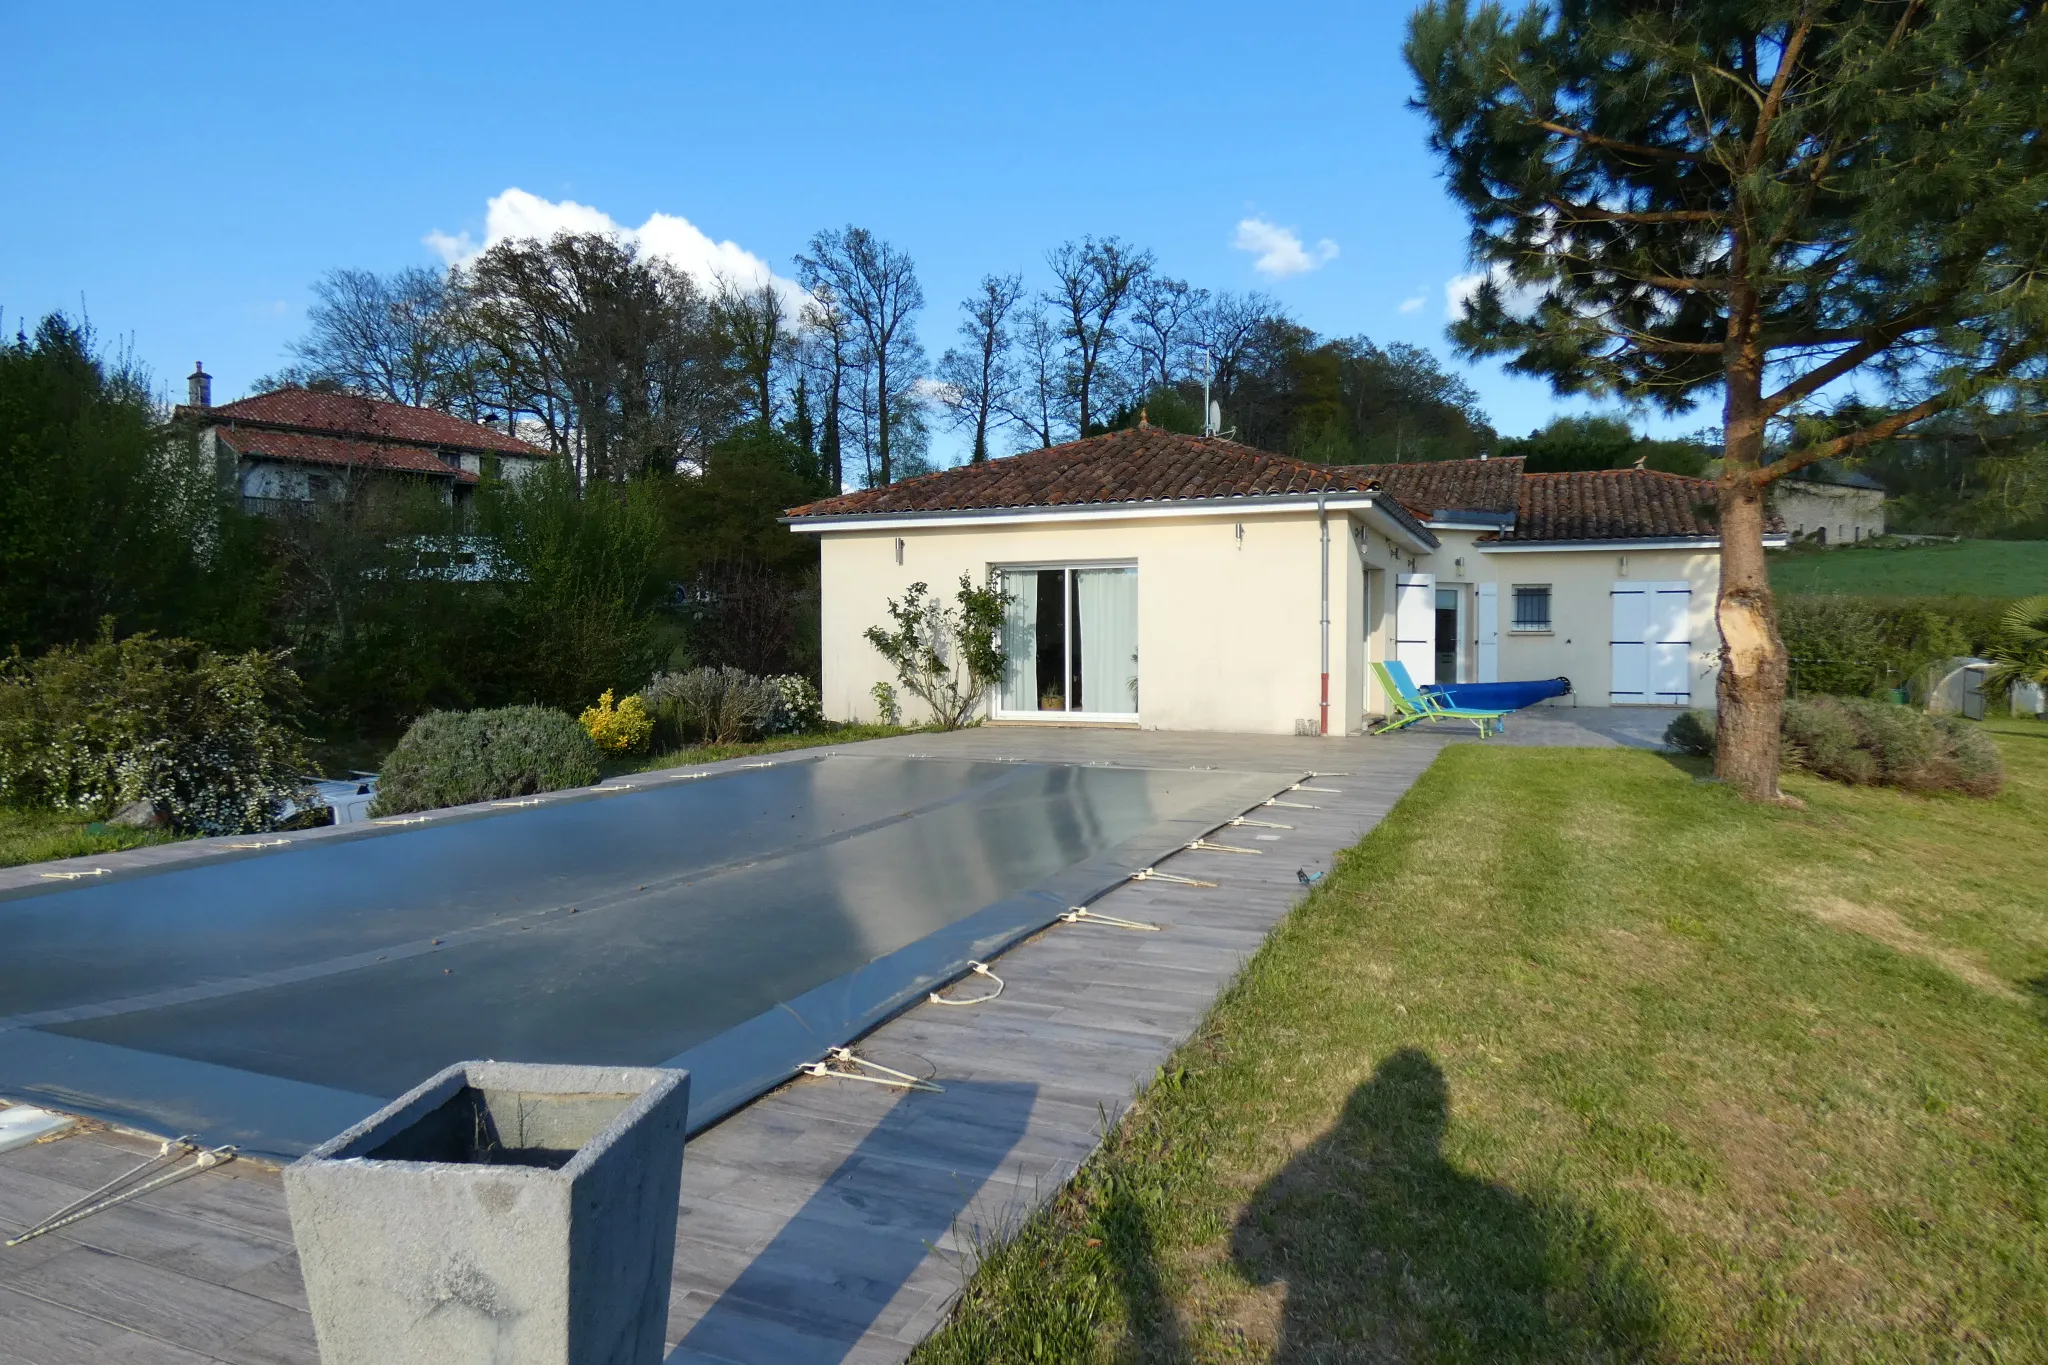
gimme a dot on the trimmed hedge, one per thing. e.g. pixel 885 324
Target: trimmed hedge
pixel 451 758
pixel 1869 743
pixel 1857 646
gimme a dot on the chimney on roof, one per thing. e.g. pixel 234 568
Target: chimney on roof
pixel 199 386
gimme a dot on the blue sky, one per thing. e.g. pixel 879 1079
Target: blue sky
pixel 187 172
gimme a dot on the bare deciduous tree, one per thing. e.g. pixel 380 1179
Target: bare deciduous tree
pixel 1229 327
pixel 1163 317
pixel 1039 397
pixel 617 356
pixel 390 337
pixel 875 284
pixel 980 377
pixel 1092 284
pixel 823 352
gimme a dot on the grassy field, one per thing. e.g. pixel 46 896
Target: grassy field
pixel 37 836
pixel 1968 568
pixel 1576 1057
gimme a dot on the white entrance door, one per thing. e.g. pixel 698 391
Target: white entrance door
pixel 1652 644
pixel 1489 631
pixel 1415 625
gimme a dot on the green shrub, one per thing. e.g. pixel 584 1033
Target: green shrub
pixel 1864 742
pixel 1979 767
pixel 1855 646
pixel 1872 742
pixel 451 758
pixel 209 740
pixel 1821 737
pixel 1692 732
pixel 720 705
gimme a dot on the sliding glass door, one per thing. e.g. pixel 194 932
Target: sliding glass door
pixel 1071 634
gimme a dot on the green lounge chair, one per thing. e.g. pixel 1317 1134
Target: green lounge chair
pixel 1411 704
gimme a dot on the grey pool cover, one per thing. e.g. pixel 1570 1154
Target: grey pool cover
pixel 736 924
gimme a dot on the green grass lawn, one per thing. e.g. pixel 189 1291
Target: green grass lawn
pixel 1576 1057
pixel 1968 568
pixel 34 836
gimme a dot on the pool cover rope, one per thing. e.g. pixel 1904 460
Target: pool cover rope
pixel 174 1150
pixel 1153 874
pixel 1291 805
pixel 1205 846
pixel 1081 914
pixel 843 1064
pixel 978 969
pixel 1261 824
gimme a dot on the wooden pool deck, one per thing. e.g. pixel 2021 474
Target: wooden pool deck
pixel 829 1221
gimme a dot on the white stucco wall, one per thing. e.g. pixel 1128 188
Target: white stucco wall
pixel 1228 627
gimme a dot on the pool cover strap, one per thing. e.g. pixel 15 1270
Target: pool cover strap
pixel 843 1064
pixel 85 1206
pixel 1081 914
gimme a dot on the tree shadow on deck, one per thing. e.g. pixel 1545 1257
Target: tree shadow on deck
pixel 1387 1250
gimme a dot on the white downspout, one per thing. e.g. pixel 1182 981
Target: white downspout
pixel 1323 520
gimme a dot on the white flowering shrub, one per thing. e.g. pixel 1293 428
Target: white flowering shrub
pixel 797 708
pixel 210 740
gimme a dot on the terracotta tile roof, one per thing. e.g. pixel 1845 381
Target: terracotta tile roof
pixel 1435 486
pixel 1613 504
pixel 1140 465
pixel 344 414
pixel 299 447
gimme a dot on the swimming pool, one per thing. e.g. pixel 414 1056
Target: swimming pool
pixel 736 923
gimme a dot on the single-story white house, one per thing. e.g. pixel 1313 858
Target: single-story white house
pixel 1191 583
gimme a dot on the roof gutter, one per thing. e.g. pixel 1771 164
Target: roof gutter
pixel 1776 542
pixel 1274 504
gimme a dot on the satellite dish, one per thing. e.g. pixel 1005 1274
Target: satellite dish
pixel 1215 418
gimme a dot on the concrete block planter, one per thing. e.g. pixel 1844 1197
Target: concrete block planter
pixel 500 1212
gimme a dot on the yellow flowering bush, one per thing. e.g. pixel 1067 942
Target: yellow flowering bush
pixel 621 729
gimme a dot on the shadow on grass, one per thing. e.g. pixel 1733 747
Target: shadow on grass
pixel 1386 1248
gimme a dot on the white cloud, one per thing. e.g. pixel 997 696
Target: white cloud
pixel 518 214
pixel 1279 250
pixel 1459 289
pixel 1410 305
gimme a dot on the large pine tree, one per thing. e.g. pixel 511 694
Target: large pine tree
pixel 1776 199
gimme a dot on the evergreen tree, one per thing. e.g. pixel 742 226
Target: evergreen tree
pixel 1764 197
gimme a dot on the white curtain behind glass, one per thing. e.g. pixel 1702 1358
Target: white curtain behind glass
pixel 1020 627
pixel 1108 600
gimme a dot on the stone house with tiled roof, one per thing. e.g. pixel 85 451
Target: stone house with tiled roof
pixel 1192 583
pixel 300 448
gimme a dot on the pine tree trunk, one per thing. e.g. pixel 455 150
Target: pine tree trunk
pixel 1751 690
pixel 1753 665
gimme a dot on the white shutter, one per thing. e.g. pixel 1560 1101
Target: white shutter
pixel 1489 632
pixel 1629 683
pixel 1669 643
pixel 1651 642
pixel 1415 625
